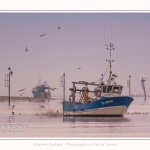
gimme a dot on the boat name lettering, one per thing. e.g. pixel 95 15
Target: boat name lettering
pixel 106 102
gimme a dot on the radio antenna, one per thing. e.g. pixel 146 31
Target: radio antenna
pixel 110 47
pixel 104 38
pixel 112 37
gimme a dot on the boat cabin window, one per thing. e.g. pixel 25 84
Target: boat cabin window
pixel 109 89
pixel 104 89
pixel 120 90
pixel 116 89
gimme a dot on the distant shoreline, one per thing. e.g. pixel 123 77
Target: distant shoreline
pixel 5 98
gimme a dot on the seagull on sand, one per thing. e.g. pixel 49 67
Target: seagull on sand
pixel 13 106
pixel 42 106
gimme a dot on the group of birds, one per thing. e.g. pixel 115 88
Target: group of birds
pixel 21 91
pixel 13 106
pixel 42 35
pixel 13 113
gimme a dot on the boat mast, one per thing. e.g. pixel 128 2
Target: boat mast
pixel 110 47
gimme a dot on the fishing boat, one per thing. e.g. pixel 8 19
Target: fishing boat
pixel 106 100
pixel 42 91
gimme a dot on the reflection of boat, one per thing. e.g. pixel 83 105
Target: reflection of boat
pixel 95 119
pixel 41 91
pixel 107 100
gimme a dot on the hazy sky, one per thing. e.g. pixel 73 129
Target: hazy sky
pixel 79 43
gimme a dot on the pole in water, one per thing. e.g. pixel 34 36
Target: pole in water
pixel 9 90
pixel 129 85
pixel 143 87
pixel 64 87
pixel 7 83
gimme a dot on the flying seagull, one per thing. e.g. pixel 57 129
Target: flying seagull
pixel 53 89
pixel 43 35
pixel 59 28
pixel 21 90
pixel 26 49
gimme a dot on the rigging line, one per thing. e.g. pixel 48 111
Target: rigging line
pixel 104 74
pixel 112 37
pixel 106 71
pixel 56 107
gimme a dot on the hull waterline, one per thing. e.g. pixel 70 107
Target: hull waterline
pixel 112 106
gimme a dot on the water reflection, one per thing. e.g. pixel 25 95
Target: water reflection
pixel 95 119
pixel 144 101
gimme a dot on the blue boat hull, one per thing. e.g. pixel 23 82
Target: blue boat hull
pixel 105 106
pixel 36 94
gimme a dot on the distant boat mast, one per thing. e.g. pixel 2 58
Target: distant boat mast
pixel 62 84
